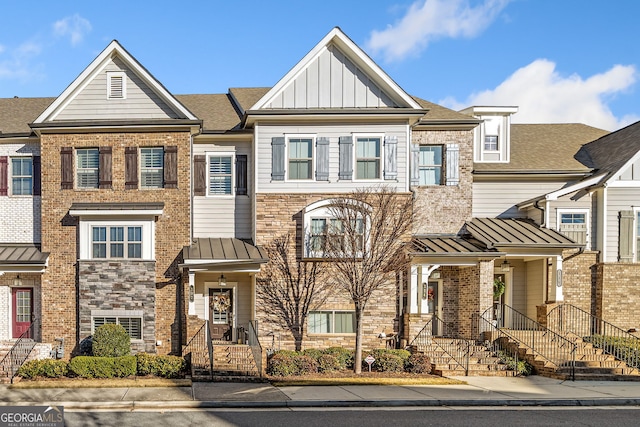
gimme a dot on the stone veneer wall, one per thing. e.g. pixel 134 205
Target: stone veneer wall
pixel 118 285
pixel 445 207
pixel 617 298
pixel 60 233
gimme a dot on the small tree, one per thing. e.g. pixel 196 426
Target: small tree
pixel 289 287
pixel 366 244
pixel 111 340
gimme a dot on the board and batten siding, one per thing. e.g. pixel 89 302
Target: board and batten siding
pixel 573 201
pixel 224 216
pixel 518 285
pixel 535 279
pixel 91 102
pixel 618 199
pixel 331 81
pixel 499 199
pixel 265 133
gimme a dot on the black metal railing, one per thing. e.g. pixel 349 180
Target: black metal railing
pixel 496 342
pixel 20 351
pixel 199 352
pixel 572 320
pixel 547 344
pixel 254 344
pixel 439 336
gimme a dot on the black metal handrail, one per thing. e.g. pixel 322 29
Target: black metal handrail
pixel 458 349
pixel 199 351
pixel 613 340
pixel 545 343
pixel 254 344
pixel 20 351
pixel 494 340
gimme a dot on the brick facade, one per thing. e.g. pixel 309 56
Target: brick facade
pixel 60 230
pixel 616 294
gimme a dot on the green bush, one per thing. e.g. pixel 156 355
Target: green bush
pixel 160 366
pixel 313 352
pixel 388 362
pixel 328 363
pixel 305 364
pixel 282 364
pixel 103 367
pixel 418 364
pixel 111 341
pixel 48 368
pixel 344 356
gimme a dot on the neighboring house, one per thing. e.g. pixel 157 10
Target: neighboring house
pixel 124 203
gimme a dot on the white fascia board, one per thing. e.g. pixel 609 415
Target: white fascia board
pixel 572 188
pixel 490 110
pixel 113 49
pixel 114 213
pixel 353 52
pixel 628 163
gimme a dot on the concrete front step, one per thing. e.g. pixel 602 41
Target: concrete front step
pixel 461 373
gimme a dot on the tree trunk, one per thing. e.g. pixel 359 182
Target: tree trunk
pixel 357 363
pixel 297 338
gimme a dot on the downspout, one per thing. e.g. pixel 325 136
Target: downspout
pixel 543 211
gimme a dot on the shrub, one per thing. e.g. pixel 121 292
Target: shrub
pixel 103 367
pixel 282 364
pixel 388 362
pixel 344 356
pixel 313 352
pixel 160 366
pixel 305 364
pixel 328 363
pixel 48 368
pixel 418 364
pixel 111 341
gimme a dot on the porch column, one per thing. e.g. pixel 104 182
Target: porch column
pixel 413 290
pixel 556 293
pixel 192 293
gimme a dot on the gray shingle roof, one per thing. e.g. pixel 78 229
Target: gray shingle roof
pixel 438 112
pixel 17 113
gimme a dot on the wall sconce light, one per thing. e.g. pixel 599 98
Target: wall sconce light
pixel 192 293
pixel 17 281
pixel 222 281
pixel 435 274
pixel 505 267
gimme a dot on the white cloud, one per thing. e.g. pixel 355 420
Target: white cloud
pixel 545 96
pixel 427 20
pixel 76 27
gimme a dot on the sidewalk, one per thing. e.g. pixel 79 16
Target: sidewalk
pixel 479 391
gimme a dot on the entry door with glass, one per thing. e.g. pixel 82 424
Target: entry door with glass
pixel 22 309
pixel 221 313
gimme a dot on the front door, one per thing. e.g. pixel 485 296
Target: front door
pixel 22 309
pixel 434 306
pixel 221 313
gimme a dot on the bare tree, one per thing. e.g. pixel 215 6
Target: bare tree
pixel 365 241
pixel 289 287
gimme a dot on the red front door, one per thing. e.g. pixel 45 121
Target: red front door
pixel 22 309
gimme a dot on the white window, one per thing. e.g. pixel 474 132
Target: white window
pixel 116 242
pixel 131 324
pixel 21 176
pixel 574 224
pixel 152 167
pixel 87 166
pixel 368 158
pixel 221 172
pixel 491 143
pixel 116 85
pixel 430 165
pixel 300 157
pixel 331 322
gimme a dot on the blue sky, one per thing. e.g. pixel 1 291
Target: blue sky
pixel 558 61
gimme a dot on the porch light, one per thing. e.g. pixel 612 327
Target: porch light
pixel 435 274
pixel 17 281
pixel 222 281
pixel 505 267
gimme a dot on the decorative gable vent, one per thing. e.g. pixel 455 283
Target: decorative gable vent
pixel 116 85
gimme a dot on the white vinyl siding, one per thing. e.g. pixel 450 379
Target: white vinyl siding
pixel 499 198
pixel 618 200
pixel 151 167
pixel 87 163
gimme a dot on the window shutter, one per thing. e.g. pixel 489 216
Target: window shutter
pixel 4 175
pixel 626 236
pixel 131 168
pixel 322 159
pixel 452 165
pixel 37 178
pixel 277 158
pixel 199 175
pixel 104 167
pixel 391 157
pixel 346 157
pixel 171 167
pixel 241 174
pixel 66 168
pixel 415 164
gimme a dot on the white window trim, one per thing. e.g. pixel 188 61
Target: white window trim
pixel 313 137
pixel 140 168
pixel 231 154
pixel 333 313
pixel 148 237
pixel 77 168
pixel 355 137
pixel 484 141
pixel 636 212
pixel 117 314
pixel 10 176
pixel 110 75
pixel 560 211
pixel 443 156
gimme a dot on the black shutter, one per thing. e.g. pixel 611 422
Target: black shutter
pixel 241 174
pixel 37 178
pixel 4 177
pixel 66 168
pixel 104 167
pixel 131 168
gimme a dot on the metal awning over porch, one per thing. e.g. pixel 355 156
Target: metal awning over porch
pixel 22 258
pixel 451 250
pixel 223 254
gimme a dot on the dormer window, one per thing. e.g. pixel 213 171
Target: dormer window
pixel 491 143
pixel 116 85
pixel 492 136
